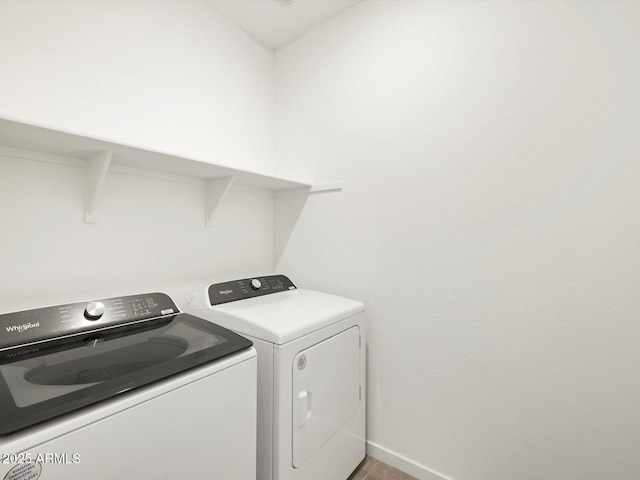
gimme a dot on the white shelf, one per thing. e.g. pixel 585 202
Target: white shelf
pixel 42 139
pixel 102 155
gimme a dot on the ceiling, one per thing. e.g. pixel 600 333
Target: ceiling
pixel 274 23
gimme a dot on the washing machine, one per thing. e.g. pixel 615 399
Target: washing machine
pixel 311 373
pixel 121 388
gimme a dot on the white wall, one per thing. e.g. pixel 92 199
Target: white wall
pixel 150 235
pixel 172 76
pixel 489 219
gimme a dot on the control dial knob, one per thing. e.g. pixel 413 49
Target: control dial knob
pixel 255 284
pixel 94 311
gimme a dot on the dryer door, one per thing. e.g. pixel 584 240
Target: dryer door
pixel 326 391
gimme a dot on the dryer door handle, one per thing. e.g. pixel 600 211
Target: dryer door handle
pixel 304 407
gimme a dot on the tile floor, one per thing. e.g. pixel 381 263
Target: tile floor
pixel 372 469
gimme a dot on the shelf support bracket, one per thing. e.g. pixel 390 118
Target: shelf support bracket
pixel 326 188
pixel 217 188
pixel 289 205
pixel 97 167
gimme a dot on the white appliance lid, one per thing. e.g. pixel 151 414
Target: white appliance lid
pixel 284 316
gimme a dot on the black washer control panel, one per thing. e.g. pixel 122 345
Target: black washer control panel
pixel 226 292
pixel 49 323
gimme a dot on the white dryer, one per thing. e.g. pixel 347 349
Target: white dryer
pixel 311 373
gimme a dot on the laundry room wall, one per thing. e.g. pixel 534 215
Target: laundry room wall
pixel 489 220
pixel 169 76
pixel 172 76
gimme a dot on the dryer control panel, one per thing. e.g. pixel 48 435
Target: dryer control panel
pixel 226 292
pixel 60 321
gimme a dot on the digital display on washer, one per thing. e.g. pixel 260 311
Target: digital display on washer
pixel 50 379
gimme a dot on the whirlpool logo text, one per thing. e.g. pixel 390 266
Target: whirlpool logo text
pixel 22 328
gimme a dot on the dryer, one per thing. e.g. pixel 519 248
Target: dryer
pixel 311 373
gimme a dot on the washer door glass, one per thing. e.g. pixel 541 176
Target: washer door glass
pixel 39 383
pixel 108 365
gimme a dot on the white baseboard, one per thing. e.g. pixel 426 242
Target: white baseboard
pixel 402 463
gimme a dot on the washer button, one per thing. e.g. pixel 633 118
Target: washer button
pixel 94 311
